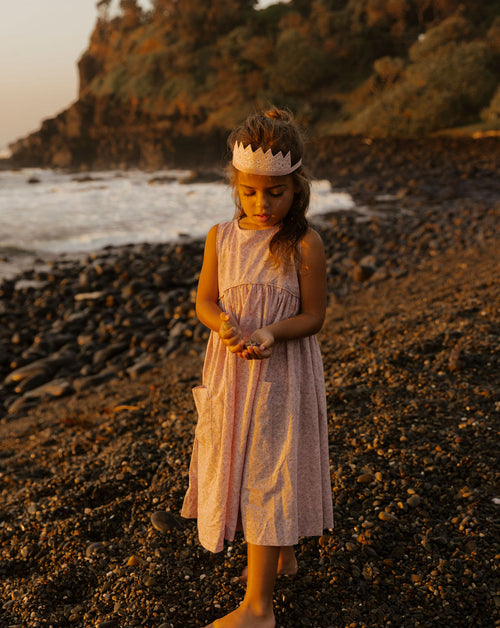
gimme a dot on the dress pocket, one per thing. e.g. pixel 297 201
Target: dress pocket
pixel 203 402
pixel 261 426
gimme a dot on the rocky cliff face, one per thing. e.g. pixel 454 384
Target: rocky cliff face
pixel 164 87
pixel 79 138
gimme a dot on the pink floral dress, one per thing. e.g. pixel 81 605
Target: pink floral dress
pixel 260 456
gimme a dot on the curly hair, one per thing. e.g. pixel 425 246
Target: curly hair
pixel 277 130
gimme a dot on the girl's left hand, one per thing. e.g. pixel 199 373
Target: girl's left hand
pixel 230 333
pixel 260 346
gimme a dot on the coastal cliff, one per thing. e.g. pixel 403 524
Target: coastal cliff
pixel 162 87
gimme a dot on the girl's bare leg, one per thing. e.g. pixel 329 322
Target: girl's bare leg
pixel 287 563
pixel 256 610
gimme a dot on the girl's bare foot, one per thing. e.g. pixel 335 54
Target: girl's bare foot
pixel 256 610
pixel 244 617
pixel 287 564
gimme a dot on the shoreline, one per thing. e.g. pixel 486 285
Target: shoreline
pixel 75 322
pixel 136 208
pixel 379 175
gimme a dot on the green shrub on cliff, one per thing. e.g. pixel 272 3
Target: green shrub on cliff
pixel 448 83
pixel 493 35
pixel 491 113
pixel 299 66
pixel 388 69
pixel 112 83
pixel 194 58
pixel 449 31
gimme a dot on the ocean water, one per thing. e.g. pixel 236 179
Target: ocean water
pixel 60 213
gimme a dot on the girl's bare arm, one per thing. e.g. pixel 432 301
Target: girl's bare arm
pixel 207 296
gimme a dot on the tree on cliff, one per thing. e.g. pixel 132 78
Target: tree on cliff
pixel 200 22
pixel 448 78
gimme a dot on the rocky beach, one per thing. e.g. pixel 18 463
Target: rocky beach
pixel 98 356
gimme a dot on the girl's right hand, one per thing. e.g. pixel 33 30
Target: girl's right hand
pixel 230 333
pixel 261 345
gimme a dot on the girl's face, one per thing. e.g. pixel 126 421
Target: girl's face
pixel 264 200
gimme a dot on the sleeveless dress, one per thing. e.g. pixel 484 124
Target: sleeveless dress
pixel 260 458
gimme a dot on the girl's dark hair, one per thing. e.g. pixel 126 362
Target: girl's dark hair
pixel 276 129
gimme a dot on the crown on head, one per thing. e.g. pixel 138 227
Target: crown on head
pixel 257 162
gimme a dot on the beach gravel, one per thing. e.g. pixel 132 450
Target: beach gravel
pixel 95 444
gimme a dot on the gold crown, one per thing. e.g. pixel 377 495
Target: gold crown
pixel 257 162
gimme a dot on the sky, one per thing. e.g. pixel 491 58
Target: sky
pixel 40 44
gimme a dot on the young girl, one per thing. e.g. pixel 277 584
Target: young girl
pixel 260 458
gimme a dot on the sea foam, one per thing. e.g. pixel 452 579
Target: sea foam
pixel 50 212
